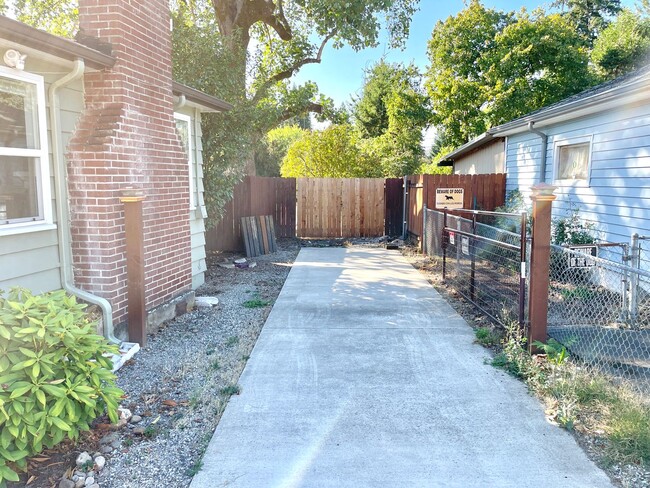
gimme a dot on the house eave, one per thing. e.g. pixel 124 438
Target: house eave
pixel 617 97
pixel 21 34
pixel 469 146
pixel 203 101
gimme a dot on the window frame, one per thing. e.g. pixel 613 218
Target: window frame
pixel 43 183
pixel 558 144
pixel 190 156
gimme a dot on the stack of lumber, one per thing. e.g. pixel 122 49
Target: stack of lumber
pixel 259 235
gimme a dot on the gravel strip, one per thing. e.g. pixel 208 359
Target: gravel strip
pixel 179 384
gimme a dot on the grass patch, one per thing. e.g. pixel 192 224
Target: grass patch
pixel 256 303
pixel 195 468
pixel 232 340
pixel 230 390
pixel 487 337
pixel 576 396
pixel 629 431
pixel 215 365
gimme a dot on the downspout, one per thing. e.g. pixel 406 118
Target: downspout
pixel 181 102
pixel 62 210
pixel 542 164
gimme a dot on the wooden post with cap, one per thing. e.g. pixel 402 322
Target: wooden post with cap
pixel 540 252
pixel 134 238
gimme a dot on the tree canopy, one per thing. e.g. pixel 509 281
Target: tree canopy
pixel 589 17
pixel 623 45
pixel 274 147
pixel 488 67
pixel 332 153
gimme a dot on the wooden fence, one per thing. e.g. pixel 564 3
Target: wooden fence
pixel 394 203
pixel 334 207
pixel 255 195
pixel 482 192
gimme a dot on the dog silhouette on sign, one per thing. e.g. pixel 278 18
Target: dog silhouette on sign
pixel 448 197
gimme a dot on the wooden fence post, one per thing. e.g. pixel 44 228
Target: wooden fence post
pixel 134 238
pixel 540 252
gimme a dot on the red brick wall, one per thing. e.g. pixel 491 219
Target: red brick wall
pixel 126 137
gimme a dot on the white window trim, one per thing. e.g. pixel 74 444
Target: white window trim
pixel 191 166
pixel 43 189
pixel 559 143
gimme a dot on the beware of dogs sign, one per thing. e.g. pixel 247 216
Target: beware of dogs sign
pixel 449 198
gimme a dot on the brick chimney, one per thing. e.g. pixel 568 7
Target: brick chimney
pixel 126 137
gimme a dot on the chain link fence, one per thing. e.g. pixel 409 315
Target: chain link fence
pixel 599 294
pixel 598 309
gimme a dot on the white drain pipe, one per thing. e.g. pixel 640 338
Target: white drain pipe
pixel 62 210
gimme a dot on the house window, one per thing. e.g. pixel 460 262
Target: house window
pixel 24 166
pixel 573 159
pixel 184 128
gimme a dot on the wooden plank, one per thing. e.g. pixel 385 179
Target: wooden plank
pixel 266 248
pixel 246 237
pixel 272 240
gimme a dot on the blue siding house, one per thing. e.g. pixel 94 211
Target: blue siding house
pixel 594 146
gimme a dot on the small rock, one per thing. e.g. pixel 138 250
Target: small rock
pixel 100 462
pixel 125 413
pixel 66 483
pixel 206 302
pixel 107 439
pixel 96 485
pixel 97 454
pixel 107 450
pixel 90 481
pixel 80 475
pixel 80 483
pixel 136 419
pixel 83 459
pixel 138 431
pixel 116 444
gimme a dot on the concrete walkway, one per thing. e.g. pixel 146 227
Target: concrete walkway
pixel 365 377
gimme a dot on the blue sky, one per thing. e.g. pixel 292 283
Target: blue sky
pixel 340 73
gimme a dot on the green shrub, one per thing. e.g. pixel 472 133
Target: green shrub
pixel 486 336
pixel 573 230
pixel 55 377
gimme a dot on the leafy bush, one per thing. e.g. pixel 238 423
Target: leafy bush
pixel 55 377
pixel 573 230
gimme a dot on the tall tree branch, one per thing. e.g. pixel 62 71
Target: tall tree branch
pixel 288 73
pixel 310 107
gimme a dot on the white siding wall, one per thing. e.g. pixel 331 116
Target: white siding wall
pixel 617 196
pixel 199 214
pixel 484 160
pixel 31 259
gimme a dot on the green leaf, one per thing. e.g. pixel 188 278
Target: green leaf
pixel 40 396
pixel 4 332
pixel 56 391
pixel 60 423
pixel 58 407
pixel 23 365
pixel 5 438
pixel 20 388
pixel 27 352
pixel 6 473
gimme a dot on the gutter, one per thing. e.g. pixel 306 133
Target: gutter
pixel 62 211
pixel 544 137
